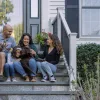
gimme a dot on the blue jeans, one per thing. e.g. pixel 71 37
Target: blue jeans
pixel 46 68
pixel 20 70
pixel 9 70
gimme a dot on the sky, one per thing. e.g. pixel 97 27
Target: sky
pixel 17 15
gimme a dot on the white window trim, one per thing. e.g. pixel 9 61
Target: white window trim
pixel 80 24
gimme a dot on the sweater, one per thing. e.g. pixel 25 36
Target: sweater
pixel 52 57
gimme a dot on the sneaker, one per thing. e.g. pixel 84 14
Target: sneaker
pixel 33 79
pixel 8 80
pixel 14 80
pixel 52 79
pixel 44 79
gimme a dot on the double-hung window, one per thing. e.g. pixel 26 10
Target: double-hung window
pixel 89 18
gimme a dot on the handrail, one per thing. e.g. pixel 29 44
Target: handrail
pixel 67 29
pixel 71 40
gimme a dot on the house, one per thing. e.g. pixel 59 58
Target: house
pixel 60 17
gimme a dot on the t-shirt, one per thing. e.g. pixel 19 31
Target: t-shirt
pixel 8 43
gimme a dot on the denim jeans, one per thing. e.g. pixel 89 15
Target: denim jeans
pixel 46 68
pixel 9 70
pixel 20 70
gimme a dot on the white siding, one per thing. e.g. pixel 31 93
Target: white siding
pixel 53 5
pixel 49 11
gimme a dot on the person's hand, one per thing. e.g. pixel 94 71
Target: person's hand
pixel 33 52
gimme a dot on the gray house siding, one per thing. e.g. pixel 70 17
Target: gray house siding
pixel 72 14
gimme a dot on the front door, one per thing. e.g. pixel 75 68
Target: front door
pixel 32 17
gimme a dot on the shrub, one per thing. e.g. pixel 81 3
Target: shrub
pixel 87 54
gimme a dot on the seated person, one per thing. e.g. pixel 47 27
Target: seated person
pixel 51 55
pixel 9 66
pixel 8 42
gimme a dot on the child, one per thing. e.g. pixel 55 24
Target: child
pixel 9 67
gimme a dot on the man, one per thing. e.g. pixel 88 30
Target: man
pixel 8 42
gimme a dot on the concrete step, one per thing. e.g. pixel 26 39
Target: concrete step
pixel 37 95
pixel 34 86
pixel 59 77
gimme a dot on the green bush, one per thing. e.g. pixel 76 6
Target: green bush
pixel 87 54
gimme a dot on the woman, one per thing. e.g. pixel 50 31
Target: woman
pixel 26 41
pixel 51 54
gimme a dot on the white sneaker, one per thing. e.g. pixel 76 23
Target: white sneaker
pixel 44 79
pixel 8 80
pixel 14 80
pixel 52 79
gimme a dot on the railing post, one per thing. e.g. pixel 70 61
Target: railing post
pixel 72 60
pixel 58 24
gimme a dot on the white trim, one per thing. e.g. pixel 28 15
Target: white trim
pixel 80 19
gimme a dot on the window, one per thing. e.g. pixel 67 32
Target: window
pixel 34 8
pixel 90 18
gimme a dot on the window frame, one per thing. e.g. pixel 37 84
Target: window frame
pixel 80 19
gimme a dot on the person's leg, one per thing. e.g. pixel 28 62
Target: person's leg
pixel 11 69
pixel 6 69
pixel 50 69
pixel 7 72
pixel 18 67
pixel 2 62
pixel 41 69
pixel 12 72
pixel 33 67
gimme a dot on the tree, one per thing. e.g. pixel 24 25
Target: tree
pixel 18 31
pixel 6 7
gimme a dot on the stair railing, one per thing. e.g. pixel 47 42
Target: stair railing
pixel 68 39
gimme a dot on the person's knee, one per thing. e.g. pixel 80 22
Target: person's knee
pixel 6 65
pixel 32 60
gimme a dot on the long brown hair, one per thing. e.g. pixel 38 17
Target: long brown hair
pixel 56 43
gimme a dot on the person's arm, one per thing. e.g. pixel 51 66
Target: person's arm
pixel 13 43
pixel 34 50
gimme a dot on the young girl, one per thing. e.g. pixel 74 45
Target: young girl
pixel 9 66
pixel 51 54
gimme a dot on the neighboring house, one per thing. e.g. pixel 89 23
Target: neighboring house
pixel 83 17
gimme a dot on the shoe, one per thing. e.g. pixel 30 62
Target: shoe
pixel 8 80
pixel 2 79
pixel 14 80
pixel 44 79
pixel 33 79
pixel 27 79
pixel 52 79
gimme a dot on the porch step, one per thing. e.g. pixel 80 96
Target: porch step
pixel 34 86
pixel 37 95
pixel 59 77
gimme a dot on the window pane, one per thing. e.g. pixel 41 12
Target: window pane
pixel 91 22
pixel 91 2
pixel 34 8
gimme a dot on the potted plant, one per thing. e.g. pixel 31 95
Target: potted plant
pixel 41 39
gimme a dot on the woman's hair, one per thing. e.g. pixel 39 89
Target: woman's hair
pixel 13 53
pixel 22 37
pixel 56 43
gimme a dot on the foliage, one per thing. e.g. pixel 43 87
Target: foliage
pixel 90 89
pixel 18 31
pixel 87 54
pixel 41 38
pixel 6 7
